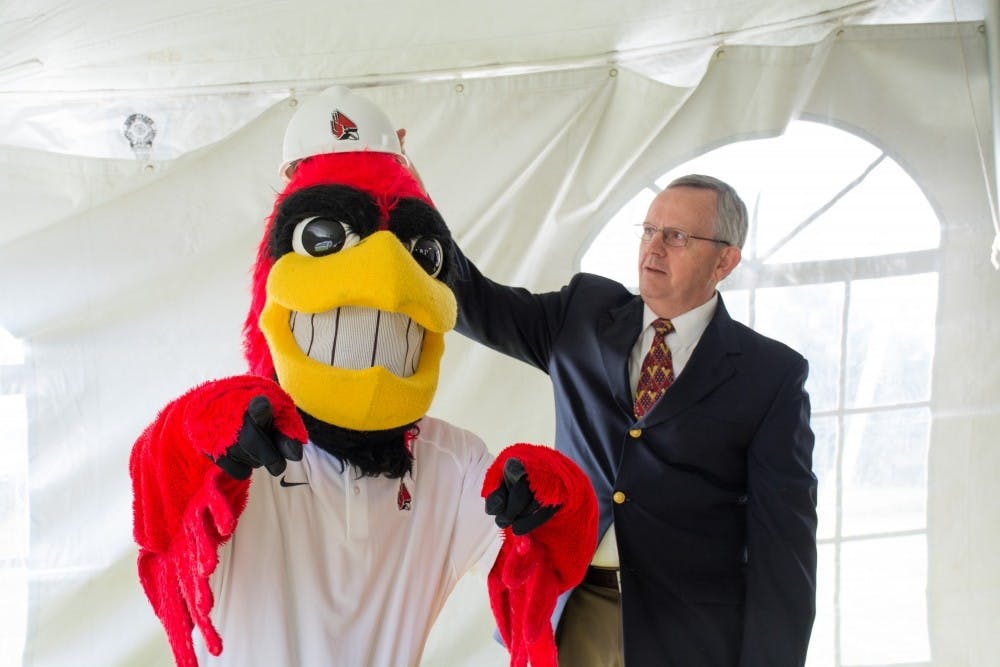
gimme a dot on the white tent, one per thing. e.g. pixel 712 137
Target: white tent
pixel 124 270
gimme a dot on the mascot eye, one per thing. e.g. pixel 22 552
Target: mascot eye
pixel 428 253
pixel 316 236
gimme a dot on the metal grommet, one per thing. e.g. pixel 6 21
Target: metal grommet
pixel 459 88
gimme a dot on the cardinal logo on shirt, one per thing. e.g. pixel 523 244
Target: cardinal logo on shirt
pixel 343 127
pixel 403 498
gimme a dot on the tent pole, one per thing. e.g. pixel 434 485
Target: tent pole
pixel 993 65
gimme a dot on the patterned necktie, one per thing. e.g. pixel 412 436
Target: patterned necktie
pixel 657 370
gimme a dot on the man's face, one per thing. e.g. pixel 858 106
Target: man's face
pixel 673 280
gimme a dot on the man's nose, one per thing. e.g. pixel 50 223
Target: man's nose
pixel 657 244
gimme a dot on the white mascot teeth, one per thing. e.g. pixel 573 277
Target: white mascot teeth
pixel 356 338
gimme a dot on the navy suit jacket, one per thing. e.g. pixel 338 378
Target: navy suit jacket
pixel 717 530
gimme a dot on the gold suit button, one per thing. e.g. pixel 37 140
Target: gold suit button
pixel 635 433
pixel 619 497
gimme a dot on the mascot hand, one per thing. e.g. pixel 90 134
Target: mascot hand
pixel 259 443
pixel 185 505
pixel 513 503
pixel 534 568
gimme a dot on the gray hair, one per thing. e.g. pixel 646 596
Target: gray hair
pixel 731 220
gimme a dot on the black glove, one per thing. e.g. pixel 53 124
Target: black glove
pixel 513 504
pixel 259 443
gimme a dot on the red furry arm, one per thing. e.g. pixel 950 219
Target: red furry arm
pixel 185 506
pixel 532 570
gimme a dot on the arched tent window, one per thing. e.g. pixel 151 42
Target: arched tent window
pixel 842 264
pixel 13 500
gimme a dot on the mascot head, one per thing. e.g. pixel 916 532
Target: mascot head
pixel 350 298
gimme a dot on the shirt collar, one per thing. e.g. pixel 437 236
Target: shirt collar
pixel 689 326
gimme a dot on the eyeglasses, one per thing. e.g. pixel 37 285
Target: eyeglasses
pixel 671 235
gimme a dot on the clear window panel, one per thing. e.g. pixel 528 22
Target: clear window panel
pixel 823 640
pixel 11 349
pixel 890 340
pixel 614 252
pixel 13 527
pixel 737 304
pixel 825 468
pixel 805 184
pixel 808 318
pixel 780 178
pixel 883 601
pixel 13 614
pixel 885 213
pixel 885 471
pixel 13 477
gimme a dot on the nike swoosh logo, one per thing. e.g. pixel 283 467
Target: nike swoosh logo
pixel 288 484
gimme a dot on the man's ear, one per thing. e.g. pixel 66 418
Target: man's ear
pixel 729 259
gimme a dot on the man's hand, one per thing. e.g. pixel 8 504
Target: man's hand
pixel 412 168
pixel 259 443
pixel 513 504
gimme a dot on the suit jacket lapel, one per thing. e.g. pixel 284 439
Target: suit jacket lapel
pixel 616 334
pixel 709 366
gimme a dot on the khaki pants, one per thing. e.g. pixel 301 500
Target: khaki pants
pixel 590 629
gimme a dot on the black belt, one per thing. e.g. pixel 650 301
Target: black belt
pixel 606 577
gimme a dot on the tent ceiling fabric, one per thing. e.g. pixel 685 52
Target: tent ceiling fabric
pixel 532 123
pixel 70 73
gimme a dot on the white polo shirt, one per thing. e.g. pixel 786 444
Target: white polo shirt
pixel 328 570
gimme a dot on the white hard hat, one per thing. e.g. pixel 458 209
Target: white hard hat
pixel 337 121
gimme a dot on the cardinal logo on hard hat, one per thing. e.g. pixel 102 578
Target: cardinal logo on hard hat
pixel 343 127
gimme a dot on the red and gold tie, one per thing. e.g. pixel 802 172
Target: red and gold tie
pixel 657 371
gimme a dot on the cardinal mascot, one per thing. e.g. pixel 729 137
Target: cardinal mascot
pixel 309 512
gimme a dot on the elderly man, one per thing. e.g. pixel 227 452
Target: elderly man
pixel 695 433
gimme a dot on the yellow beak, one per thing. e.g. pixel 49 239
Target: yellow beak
pixel 377 275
